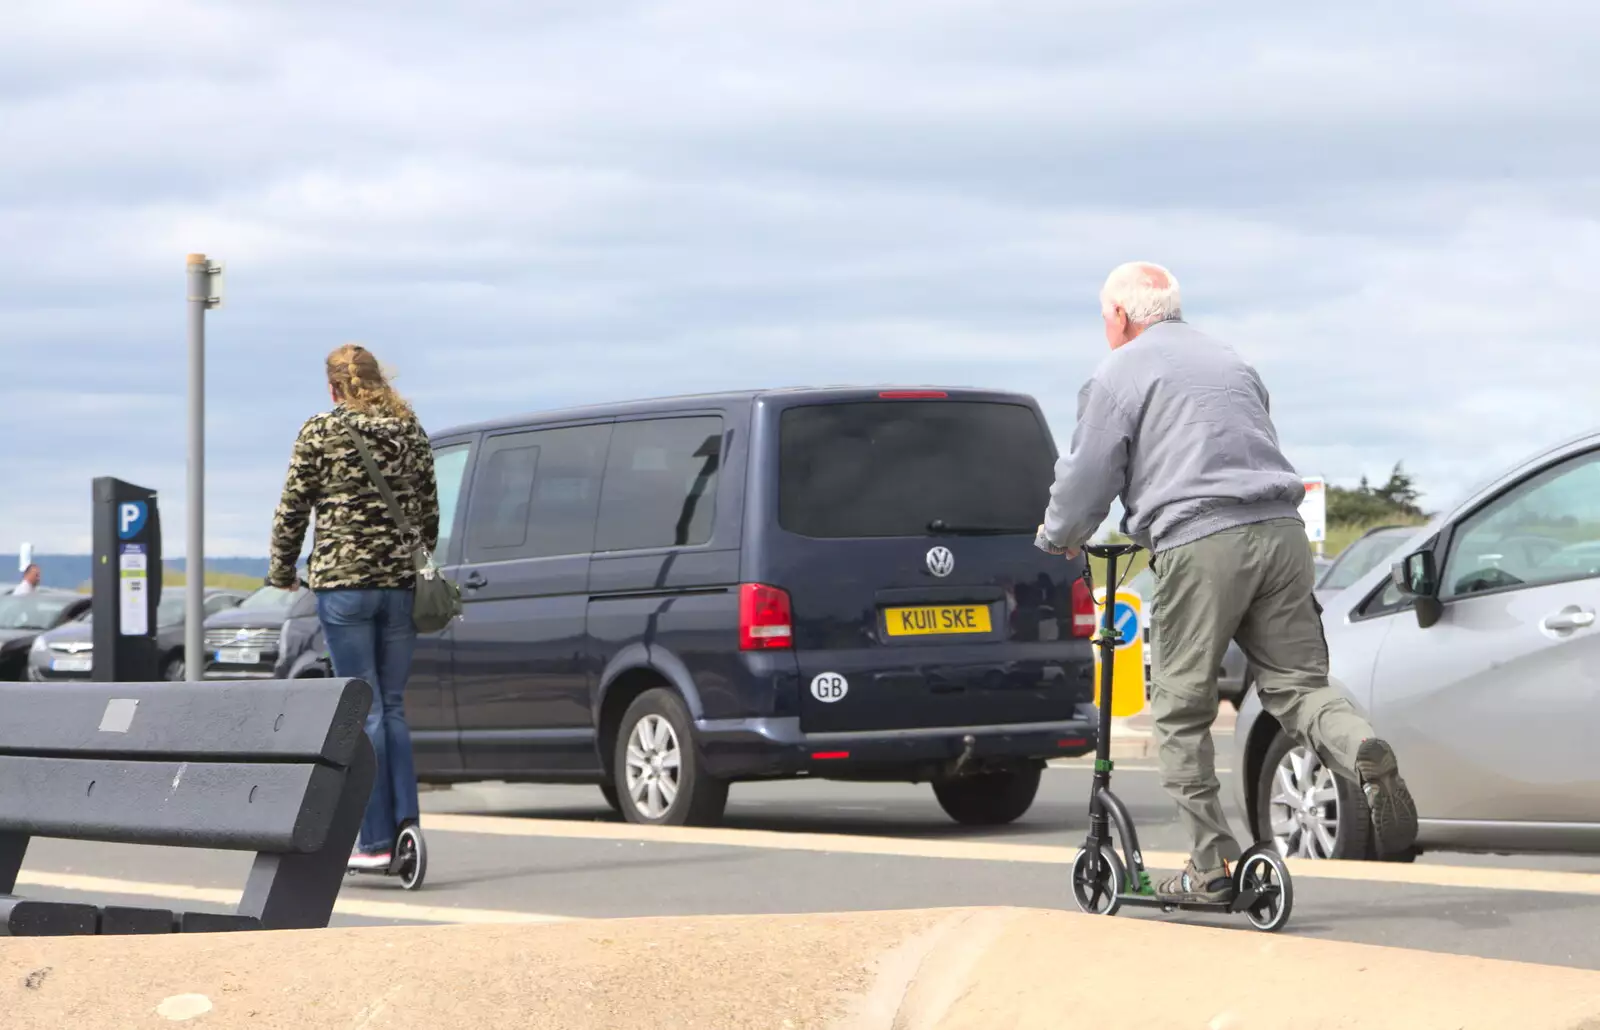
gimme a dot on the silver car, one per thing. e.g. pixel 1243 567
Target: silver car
pixel 1475 655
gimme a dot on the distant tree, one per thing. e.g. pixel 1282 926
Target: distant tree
pixel 1394 501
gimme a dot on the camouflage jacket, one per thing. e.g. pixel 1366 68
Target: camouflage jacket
pixel 357 542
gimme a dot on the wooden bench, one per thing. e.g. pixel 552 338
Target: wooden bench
pixel 282 768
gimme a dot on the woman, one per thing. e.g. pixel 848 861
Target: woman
pixel 361 564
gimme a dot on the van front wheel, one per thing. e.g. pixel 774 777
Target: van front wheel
pixel 989 799
pixel 658 768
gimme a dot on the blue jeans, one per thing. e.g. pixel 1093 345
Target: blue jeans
pixel 371 637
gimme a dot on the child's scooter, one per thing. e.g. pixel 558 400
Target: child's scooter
pixel 1100 878
pixel 409 860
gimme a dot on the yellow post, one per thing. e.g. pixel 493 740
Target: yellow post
pixel 1127 684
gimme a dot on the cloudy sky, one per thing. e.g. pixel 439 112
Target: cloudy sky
pixel 1390 209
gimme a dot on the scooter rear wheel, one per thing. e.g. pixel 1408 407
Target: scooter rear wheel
pixel 411 855
pixel 1098 895
pixel 1263 870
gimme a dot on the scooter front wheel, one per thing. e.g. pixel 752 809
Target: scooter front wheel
pixel 1098 892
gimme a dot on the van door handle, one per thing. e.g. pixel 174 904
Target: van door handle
pixel 1569 619
pixel 474 580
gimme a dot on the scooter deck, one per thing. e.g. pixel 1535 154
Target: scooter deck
pixel 1241 902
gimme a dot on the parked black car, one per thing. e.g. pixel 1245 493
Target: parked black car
pixel 23 618
pixel 67 652
pixel 668 596
pixel 242 641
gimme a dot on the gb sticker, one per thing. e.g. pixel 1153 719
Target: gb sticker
pixel 829 687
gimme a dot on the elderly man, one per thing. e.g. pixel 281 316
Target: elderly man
pixel 1177 424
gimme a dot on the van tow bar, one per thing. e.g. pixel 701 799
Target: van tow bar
pixel 968 744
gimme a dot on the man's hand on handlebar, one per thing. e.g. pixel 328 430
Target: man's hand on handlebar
pixel 1043 543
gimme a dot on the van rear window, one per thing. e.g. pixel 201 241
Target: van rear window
pixel 890 468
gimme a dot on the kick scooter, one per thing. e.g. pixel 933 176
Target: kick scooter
pixel 409 860
pixel 1101 881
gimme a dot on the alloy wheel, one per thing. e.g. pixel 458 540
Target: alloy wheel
pixel 1303 812
pixel 655 763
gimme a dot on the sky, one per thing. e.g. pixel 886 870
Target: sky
pixel 1390 210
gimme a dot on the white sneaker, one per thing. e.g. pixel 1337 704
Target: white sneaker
pixel 370 859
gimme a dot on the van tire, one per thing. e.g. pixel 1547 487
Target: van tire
pixel 990 799
pixel 700 797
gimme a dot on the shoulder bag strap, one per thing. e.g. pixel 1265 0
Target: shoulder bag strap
pixel 383 487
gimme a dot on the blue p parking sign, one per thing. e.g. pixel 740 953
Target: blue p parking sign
pixel 131 516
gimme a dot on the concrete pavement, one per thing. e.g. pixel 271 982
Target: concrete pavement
pixel 910 970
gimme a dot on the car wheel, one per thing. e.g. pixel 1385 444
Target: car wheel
pixel 174 671
pixel 1305 810
pixel 659 769
pixel 989 799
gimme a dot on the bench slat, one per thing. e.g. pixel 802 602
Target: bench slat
pixel 246 720
pixel 243 806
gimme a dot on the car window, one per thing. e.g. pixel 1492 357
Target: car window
pixel 449 470
pixel 535 494
pixel 32 611
pixel 1544 530
pixel 890 468
pixel 660 484
pixel 1361 557
pixel 267 598
pixel 220 603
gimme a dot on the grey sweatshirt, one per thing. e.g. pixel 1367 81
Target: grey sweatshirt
pixel 1177 424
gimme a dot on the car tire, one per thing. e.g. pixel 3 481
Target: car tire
pixel 609 792
pixel 174 670
pixel 989 799
pixel 661 778
pixel 1303 831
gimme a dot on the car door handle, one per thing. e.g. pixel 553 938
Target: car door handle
pixel 1568 620
pixel 474 581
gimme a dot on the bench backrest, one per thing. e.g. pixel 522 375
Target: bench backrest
pixel 280 767
pixel 254 766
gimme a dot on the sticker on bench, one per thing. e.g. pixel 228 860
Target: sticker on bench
pixel 119 714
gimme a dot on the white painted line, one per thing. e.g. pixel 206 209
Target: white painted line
pixel 1427 875
pixel 346 905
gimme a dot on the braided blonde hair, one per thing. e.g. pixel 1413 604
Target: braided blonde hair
pixel 360 384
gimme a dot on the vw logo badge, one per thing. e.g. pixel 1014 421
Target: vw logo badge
pixel 941 562
pixel 243 634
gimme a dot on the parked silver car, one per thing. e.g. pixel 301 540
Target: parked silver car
pixel 1475 656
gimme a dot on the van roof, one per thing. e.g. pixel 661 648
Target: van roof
pixel 667 405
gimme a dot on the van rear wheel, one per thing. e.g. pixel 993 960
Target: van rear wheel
pixel 989 799
pixel 658 769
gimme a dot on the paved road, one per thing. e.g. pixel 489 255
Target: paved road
pixel 503 852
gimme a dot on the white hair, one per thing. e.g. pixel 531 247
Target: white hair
pixel 1146 291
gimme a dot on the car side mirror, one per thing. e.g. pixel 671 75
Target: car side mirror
pixel 1416 576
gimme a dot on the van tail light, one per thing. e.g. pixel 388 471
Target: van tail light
pixel 765 620
pixel 913 395
pixel 1083 613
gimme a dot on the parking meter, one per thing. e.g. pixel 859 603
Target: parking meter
pixel 126 582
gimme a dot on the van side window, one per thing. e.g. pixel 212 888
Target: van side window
pixel 535 494
pixel 661 484
pixel 449 470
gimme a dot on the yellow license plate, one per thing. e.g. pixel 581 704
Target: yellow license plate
pixel 937 620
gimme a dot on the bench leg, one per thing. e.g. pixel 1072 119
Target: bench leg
pixel 12 847
pixel 297 892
